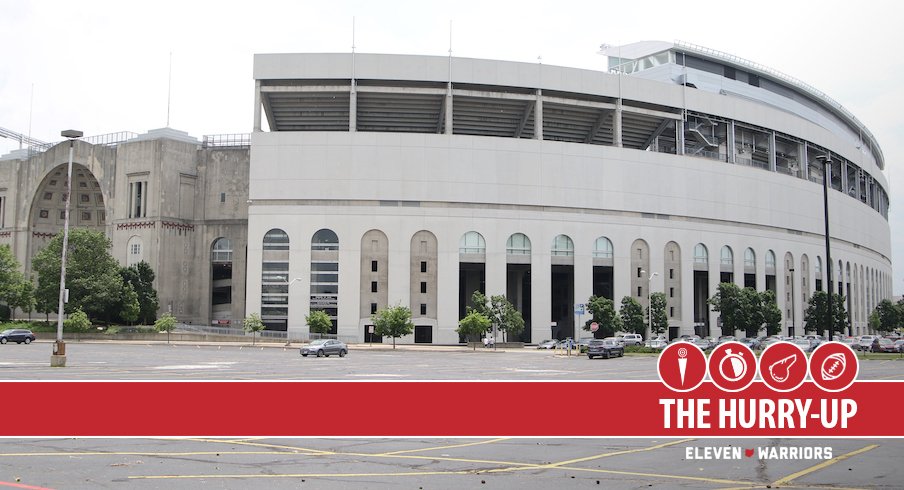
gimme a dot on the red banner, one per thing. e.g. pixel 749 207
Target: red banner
pixel 439 408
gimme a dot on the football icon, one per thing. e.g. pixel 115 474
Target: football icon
pixel 833 366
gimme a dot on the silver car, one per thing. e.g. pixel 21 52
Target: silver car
pixel 324 347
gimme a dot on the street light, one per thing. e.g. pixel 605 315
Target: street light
pixel 826 167
pixel 649 302
pixel 58 358
pixel 791 330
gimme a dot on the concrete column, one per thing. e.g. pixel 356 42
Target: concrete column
pixel 495 270
pixel 687 289
pixel 353 108
pixel 617 124
pixel 541 294
pixel 772 151
pixel 449 108
pixel 714 280
pixel 732 150
pixel 804 159
pixel 583 284
pixel 679 137
pixel 257 106
pixel 538 116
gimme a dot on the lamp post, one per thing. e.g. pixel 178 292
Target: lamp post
pixel 650 302
pixel 791 330
pixel 826 168
pixel 58 358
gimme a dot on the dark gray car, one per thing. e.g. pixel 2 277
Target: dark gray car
pixel 604 349
pixel 324 347
pixel 17 335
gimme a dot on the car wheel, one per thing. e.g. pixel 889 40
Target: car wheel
pixel 320 353
pixel 27 341
pixel 342 353
pixel 304 355
pixel 589 356
pixel 3 340
pixel 606 355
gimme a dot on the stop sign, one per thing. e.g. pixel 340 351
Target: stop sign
pixel 594 327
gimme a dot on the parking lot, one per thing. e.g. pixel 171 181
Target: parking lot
pixel 423 463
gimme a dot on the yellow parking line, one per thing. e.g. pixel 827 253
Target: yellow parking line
pixel 257 444
pixel 138 453
pixel 658 475
pixel 784 481
pixel 618 453
pixel 445 447
pixel 300 475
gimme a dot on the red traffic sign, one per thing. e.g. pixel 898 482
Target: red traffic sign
pixel 594 327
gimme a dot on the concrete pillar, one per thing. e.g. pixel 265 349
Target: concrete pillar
pixel 353 108
pixel 732 150
pixel 449 108
pixel 257 106
pixel 617 124
pixel 679 137
pixel 538 116
pixel 772 151
pixel 583 284
pixel 541 294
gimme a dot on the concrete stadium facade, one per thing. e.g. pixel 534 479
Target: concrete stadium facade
pixel 378 180
pixel 375 180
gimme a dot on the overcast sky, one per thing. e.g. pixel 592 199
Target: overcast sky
pixel 102 66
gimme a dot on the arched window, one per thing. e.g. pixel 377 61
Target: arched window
pixel 275 280
pixel 472 243
pixel 276 239
pixel 518 244
pixel 750 258
pixel 727 257
pixel 325 240
pixel 770 259
pixel 818 267
pixel 701 255
pixel 562 245
pixel 221 251
pixel 136 251
pixel 602 248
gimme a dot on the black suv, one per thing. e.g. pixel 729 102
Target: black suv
pixel 604 349
pixel 17 335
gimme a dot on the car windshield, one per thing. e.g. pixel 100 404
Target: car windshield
pixel 318 342
pixel 6 332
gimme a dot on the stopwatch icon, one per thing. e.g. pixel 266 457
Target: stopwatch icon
pixel 735 368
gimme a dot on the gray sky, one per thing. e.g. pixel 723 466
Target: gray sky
pixel 102 66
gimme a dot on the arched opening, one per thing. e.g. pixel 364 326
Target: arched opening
pixel 275 280
pixel 726 264
pixel 701 290
pixel 472 249
pixel 221 281
pixel 325 275
pixel 603 268
pixel 518 279
pixel 749 268
pixel 562 286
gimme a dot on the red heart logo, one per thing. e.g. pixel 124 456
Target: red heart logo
pixel 748 453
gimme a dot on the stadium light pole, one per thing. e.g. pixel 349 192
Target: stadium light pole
pixel 826 167
pixel 58 358
pixel 649 301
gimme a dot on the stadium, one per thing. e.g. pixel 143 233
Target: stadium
pixel 374 180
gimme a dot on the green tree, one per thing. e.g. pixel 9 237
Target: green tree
pixel 393 322
pixel 319 322
pixel 632 317
pixel 92 274
pixel 660 320
pixel 141 277
pixel 602 311
pixel 23 297
pixel 254 324
pixel 77 322
pixel 889 315
pixel 500 311
pixel 772 316
pixel 15 290
pixel 474 324
pixel 817 308
pixel 130 307
pixel 166 323
pixel 740 308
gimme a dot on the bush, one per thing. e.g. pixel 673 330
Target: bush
pixel 77 322
pixel 640 349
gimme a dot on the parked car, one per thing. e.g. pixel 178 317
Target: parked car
pixel 568 343
pixel 899 345
pixel 17 335
pixel 884 345
pixel 726 338
pixel 604 348
pixel 751 342
pixel 816 338
pixel 657 343
pixel 547 344
pixel 582 343
pixel 805 344
pixel 703 344
pixel 617 340
pixel 867 343
pixel 632 339
pixel 324 347
pixel 850 342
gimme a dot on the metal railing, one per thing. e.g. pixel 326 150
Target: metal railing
pixel 794 82
pixel 234 140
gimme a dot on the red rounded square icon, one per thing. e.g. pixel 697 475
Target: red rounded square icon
pixel 732 366
pixel 783 366
pixel 834 366
pixel 681 366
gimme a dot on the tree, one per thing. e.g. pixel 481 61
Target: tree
pixel 772 316
pixel 15 290
pixel 602 311
pixel 741 309
pixel 141 277
pixel 23 297
pixel 889 315
pixel 500 311
pixel 254 324
pixel 393 322
pixel 92 274
pixel 130 307
pixel 319 322
pixel 77 322
pixel 660 320
pixel 166 323
pixel 473 324
pixel 632 317
pixel 817 308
